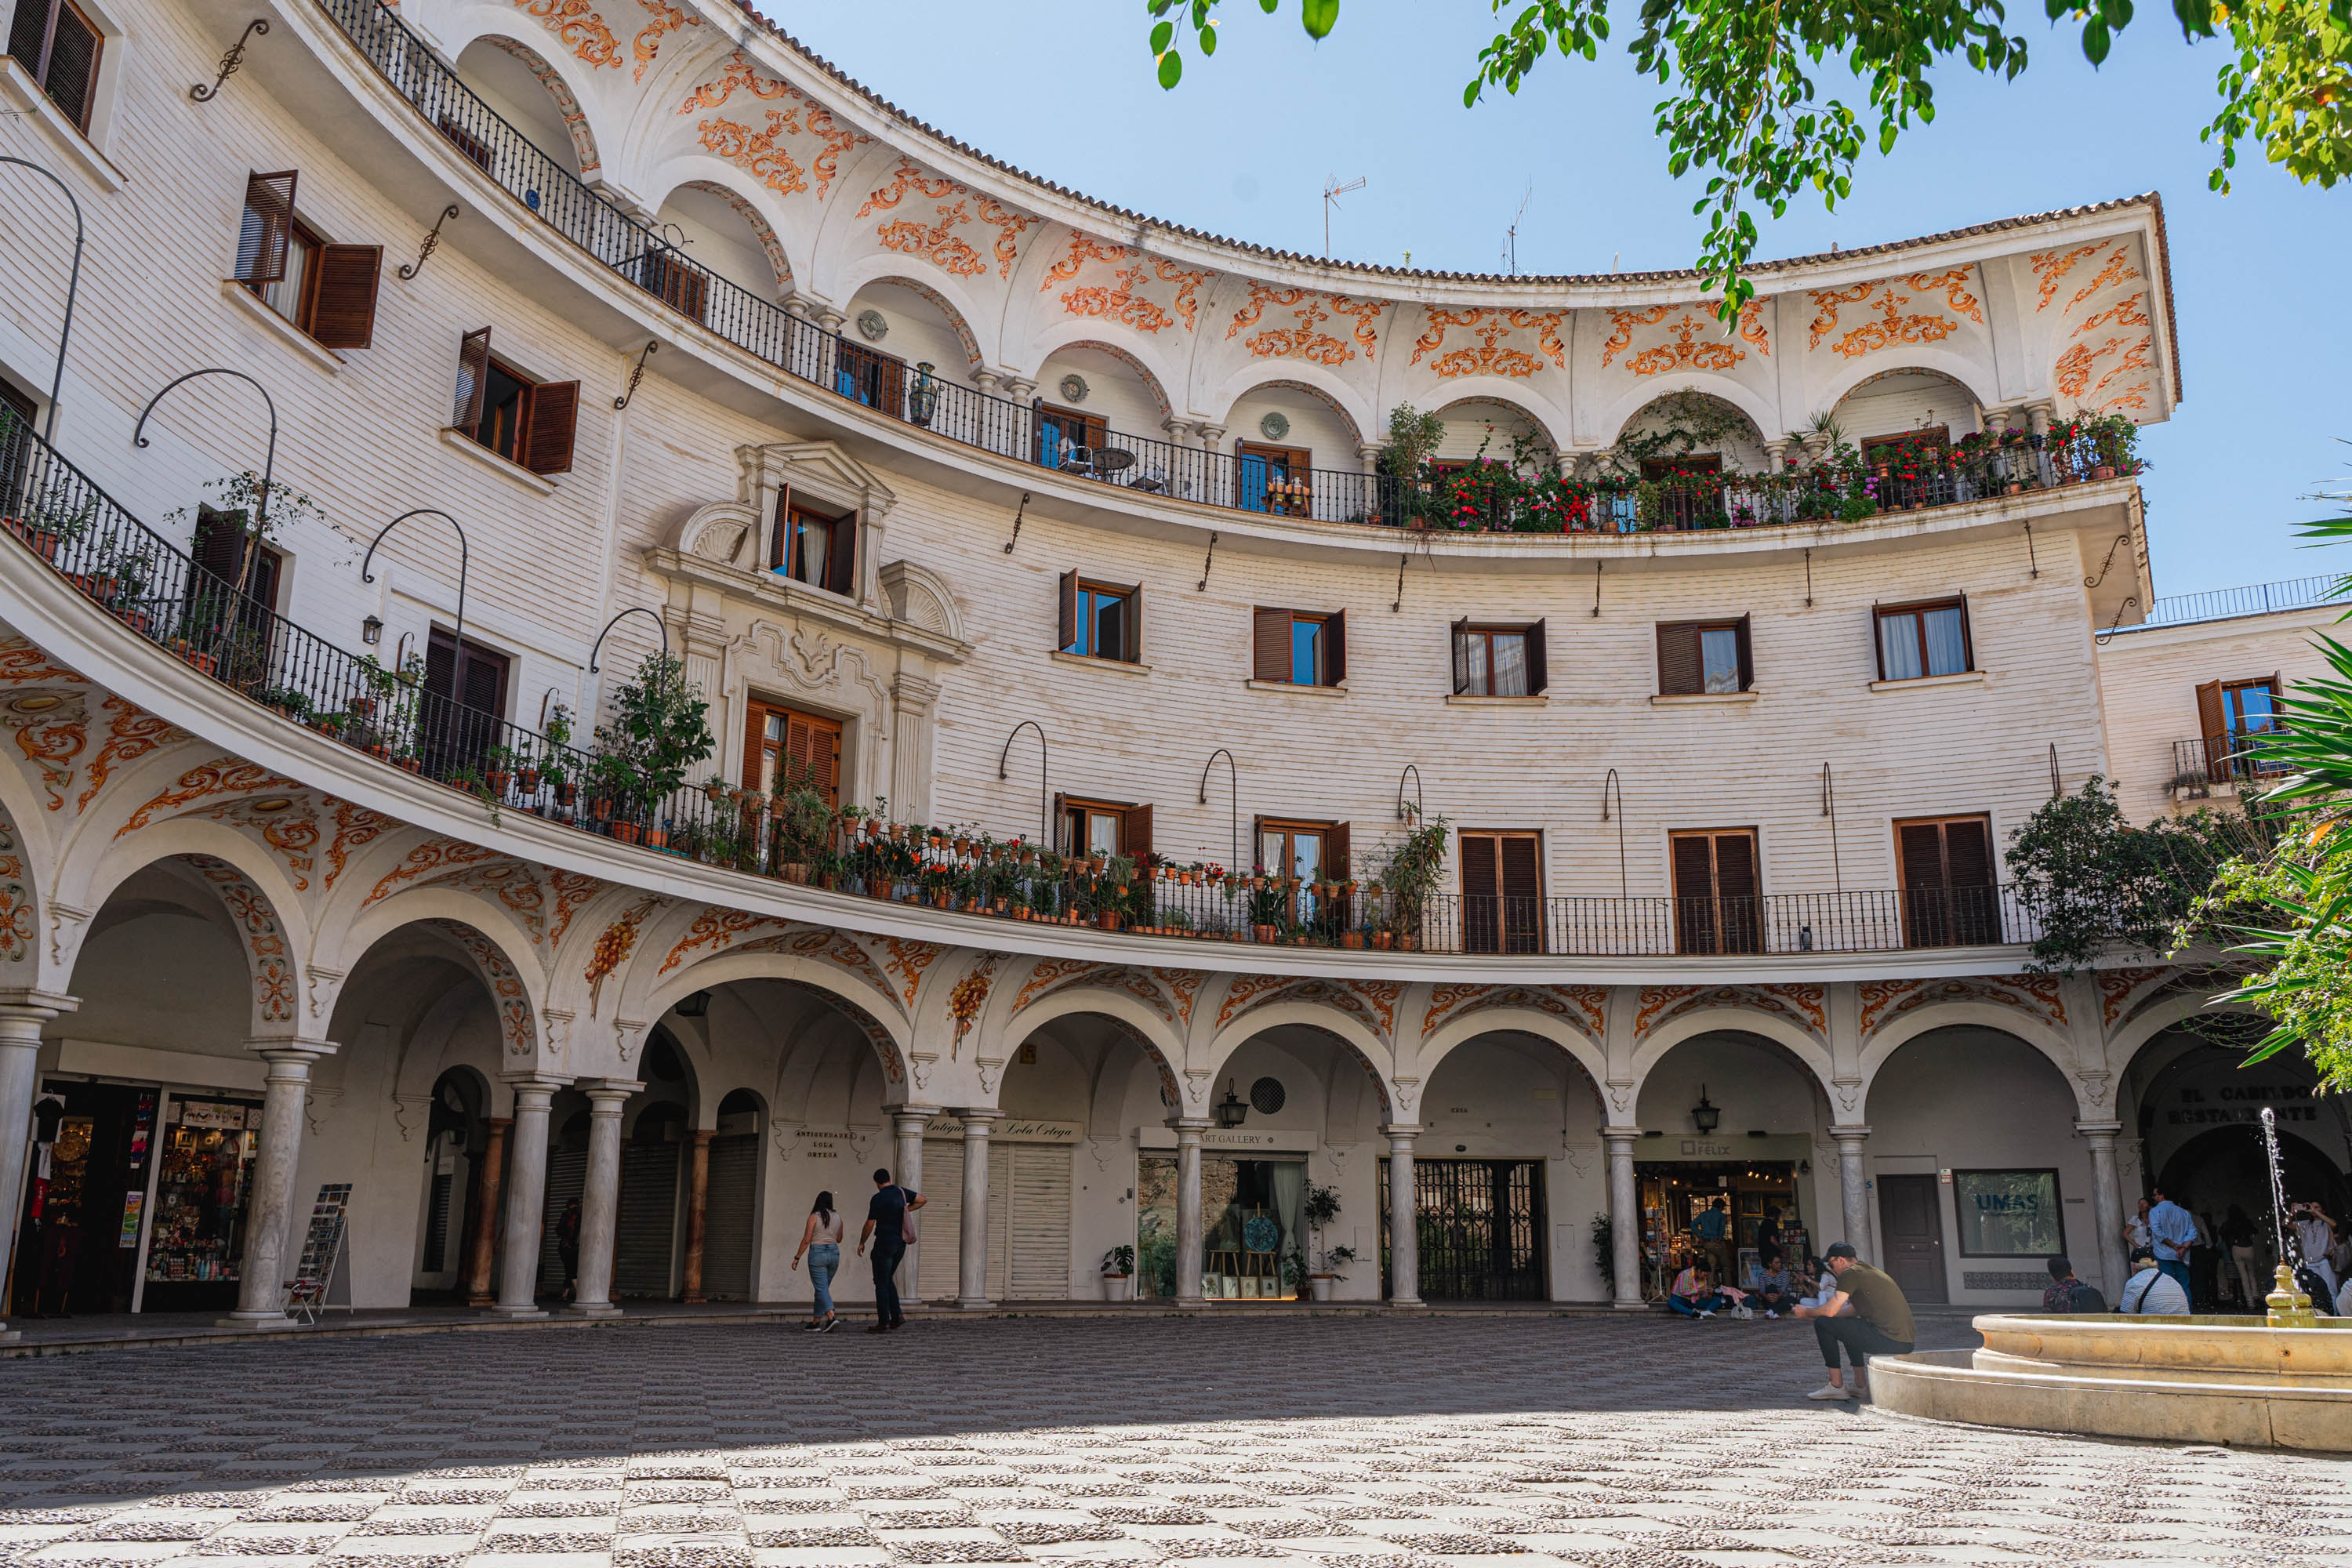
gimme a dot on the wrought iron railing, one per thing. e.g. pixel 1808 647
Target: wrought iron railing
pixel 1027 432
pixel 2201 762
pixel 2255 599
pixel 152 588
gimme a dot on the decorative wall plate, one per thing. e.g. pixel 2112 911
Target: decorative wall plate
pixel 1266 1095
pixel 1074 388
pixel 1274 427
pixel 1260 1233
pixel 872 325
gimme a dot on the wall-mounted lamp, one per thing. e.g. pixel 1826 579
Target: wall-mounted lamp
pixel 1706 1116
pixel 1231 1110
pixel 372 630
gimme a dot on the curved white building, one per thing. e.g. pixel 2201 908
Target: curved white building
pixel 1729 660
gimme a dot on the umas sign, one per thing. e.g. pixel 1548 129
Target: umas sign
pixel 2008 1214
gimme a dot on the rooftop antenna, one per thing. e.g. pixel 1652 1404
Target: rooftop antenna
pixel 1332 191
pixel 1511 236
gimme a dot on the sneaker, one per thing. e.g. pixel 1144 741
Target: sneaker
pixel 1831 1391
pixel 828 1325
pixel 1770 1313
pixel 879 1329
pixel 1705 1314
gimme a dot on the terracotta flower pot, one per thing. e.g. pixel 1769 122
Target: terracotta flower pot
pixel 1383 939
pixel 627 832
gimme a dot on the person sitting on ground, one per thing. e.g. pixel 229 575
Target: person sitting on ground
pixel 2068 1294
pixel 1694 1295
pixel 1776 1289
pixel 1824 1284
pixel 2150 1292
pixel 1881 1323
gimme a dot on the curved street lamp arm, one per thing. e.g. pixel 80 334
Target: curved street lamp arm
pixel 73 288
pixel 1420 803
pixel 1233 777
pixel 457 637
pixel 1607 783
pixel 1045 772
pixel 660 625
pixel 268 461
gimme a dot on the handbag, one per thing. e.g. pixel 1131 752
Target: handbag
pixel 907 1230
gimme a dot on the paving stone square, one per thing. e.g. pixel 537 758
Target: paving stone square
pixel 1315 1442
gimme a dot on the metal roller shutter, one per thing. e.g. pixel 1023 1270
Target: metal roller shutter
pixel 729 1212
pixel 1000 1178
pixel 939 1221
pixel 641 1268
pixel 1041 1222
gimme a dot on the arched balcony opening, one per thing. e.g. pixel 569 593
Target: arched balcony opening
pixel 519 85
pixel 1090 394
pixel 716 230
pixel 1923 409
pixel 896 326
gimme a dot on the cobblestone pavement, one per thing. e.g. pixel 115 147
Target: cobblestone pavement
pixel 1312 1443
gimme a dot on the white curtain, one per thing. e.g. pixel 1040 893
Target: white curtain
pixel 1948 652
pixel 1899 647
pixel 1510 665
pixel 1289 1199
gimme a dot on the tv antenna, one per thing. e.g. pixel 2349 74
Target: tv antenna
pixel 1332 191
pixel 1511 236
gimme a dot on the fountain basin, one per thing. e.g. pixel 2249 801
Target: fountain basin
pixel 2232 1380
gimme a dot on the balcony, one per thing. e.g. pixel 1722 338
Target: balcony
pixel 1483 498
pixel 2207 766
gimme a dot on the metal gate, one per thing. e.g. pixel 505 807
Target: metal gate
pixel 1481 1230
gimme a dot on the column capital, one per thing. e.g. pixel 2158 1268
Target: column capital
pixel 18 1001
pixel 979 1119
pixel 1019 387
pixel 289 1050
pixel 1211 434
pixel 1854 1134
pixel 2109 1131
pixel 604 1091
pixel 1190 1123
pixel 1404 1131
pixel 703 1135
pixel 499 1124
pixel 1621 1134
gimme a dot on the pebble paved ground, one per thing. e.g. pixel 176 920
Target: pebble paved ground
pixel 1308 1443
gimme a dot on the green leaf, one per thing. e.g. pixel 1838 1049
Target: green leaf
pixel 1319 16
pixel 1208 40
pixel 1268 5
pixel 1172 69
pixel 1161 37
pixel 2095 40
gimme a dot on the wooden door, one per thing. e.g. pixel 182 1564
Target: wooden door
pixel 1717 906
pixel 1949 898
pixel 1911 1227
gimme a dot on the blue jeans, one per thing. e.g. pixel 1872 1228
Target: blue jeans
pixel 2176 1269
pixel 887 1259
pixel 824 1261
pixel 1690 1307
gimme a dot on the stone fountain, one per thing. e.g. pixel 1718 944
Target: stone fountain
pixel 2281 1381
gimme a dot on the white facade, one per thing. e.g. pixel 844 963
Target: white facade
pixel 203 890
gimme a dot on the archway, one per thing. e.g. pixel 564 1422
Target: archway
pixel 1508 1169
pixel 1730 1121
pixel 527 90
pixel 449 1216
pixel 719 231
pixel 1977 1175
pixel 732 1223
pixel 1892 404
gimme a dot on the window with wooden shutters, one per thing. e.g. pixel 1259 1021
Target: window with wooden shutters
pixel 1703 658
pixel 812 544
pixel 1499 662
pixel 1916 641
pixel 466 141
pixel 786 749
pixel 17 422
pixel 1502 893
pixel 530 423
pixel 1062 432
pixel 866 376
pixel 1099 621
pixel 1101 827
pixel 1949 898
pixel 1276 479
pixel 340 306
pixel 60 46
pixel 1297 648
pixel 1717 906
pixel 481 686
pixel 670 277
pixel 265 234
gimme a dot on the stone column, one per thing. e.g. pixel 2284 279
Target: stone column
pixel 482 1251
pixel 1624 1217
pixel 2107 1203
pixel 1775 455
pixel 1368 454
pixel 1404 1220
pixel 1188 1213
pixel 1216 466
pixel 526 1200
pixel 21 1018
pixel 270 1198
pixel 907 1125
pixel 972 1261
pixel 697 1205
pixel 1853 1187
pixel 600 1198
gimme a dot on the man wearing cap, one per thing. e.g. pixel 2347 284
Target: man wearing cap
pixel 2151 1291
pixel 1880 1323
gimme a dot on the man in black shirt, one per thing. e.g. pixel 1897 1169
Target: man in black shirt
pixel 886 1227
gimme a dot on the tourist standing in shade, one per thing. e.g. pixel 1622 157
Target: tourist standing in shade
pixel 2314 1238
pixel 1881 1323
pixel 2237 1235
pixel 567 1248
pixel 2068 1294
pixel 887 1227
pixel 821 1245
pixel 2173 1231
pixel 1711 1227
pixel 2136 1238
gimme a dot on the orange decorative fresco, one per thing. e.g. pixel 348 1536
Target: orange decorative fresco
pixel 648 43
pixel 1954 284
pixel 1122 299
pixel 2127 313
pixel 2117 269
pixel 2052 266
pixel 130 735
pixel 1621 329
pixel 1893 327
pixel 1752 329
pixel 759 151
pixel 1083 249
pixel 1306 340
pixel 1490 356
pixel 1825 308
pixel 1687 351
pixel 937 242
pixel 583 32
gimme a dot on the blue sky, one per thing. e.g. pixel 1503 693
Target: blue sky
pixel 1064 89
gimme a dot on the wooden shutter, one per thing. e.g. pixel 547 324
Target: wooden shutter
pixel 1462 657
pixel 841 560
pixel 484 687
pixel 1069 609
pixel 1968 853
pixel 71 78
pixel 220 538
pixel 264 238
pixel 1735 865
pixel 1967 638
pixel 1921 846
pixel 755 741
pixel 1480 874
pixel 1338 862
pixel 343 314
pixel 1134 833
pixel 1539 661
pixel 1270 656
pixel 812 747
pixel 1133 652
pixel 1746 655
pixel 473 380
pixel 779 536
pixel 2210 722
pixel 1061 828
pixel 555 414
pixel 1521 866
pixel 1878 640
pixel 1681 672
pixel 1694 858
pixel 28 33
pixel 1334 647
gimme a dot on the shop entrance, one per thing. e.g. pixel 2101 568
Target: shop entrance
pixel 1759 1199
pixel 78 1240
pixel 1250 1224
pixel 1481 1229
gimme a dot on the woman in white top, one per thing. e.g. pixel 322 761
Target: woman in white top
pixel 2314 1238
pixel 821 1245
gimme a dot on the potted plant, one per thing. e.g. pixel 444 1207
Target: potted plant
pixel 660 729
pixel 1334 1265
pixel 498 769
pixel 1410 866
pixel 1119 1274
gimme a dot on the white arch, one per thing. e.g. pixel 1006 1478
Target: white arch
pixel 1460 1030
pixel 1993 1016
pixel 1351 1031
pixel 1619 414
pixel 827 980
pixel 1966 373
pixel 1350 401
pixel 569 90
pixel 2124 1046
pixel 508 980
pixel 1801 1044
pixel 265 915
pixel 1139 355
pixel 1158 1038
pixel 700 171
pixel 1516 404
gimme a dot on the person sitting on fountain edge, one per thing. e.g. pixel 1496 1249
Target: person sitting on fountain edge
pixel 1881 1323
pixel 2068 1294
pixel 2152 1292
